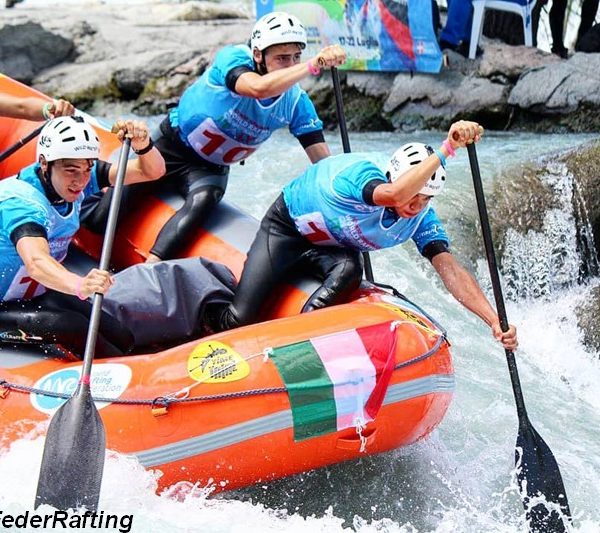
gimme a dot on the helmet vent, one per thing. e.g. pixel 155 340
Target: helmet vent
pixel 411 155
pixel 68 138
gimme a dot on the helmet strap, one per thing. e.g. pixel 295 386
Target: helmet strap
pixel 46 180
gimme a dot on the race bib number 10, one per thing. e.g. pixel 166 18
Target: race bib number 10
pixel 217 147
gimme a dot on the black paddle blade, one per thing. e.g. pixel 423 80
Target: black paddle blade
pixel 73 460
pixel 539 476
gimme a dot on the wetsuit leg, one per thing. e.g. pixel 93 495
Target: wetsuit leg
pixel 201 184
pixel 341 270
pixel 199 203
pixel 557 23
pixel 55 323
pixel 276 249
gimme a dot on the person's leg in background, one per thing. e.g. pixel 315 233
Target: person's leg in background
pixel 557 25
pixel 535 19
pixel 589 9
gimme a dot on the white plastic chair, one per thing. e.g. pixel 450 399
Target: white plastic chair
pixel 520 7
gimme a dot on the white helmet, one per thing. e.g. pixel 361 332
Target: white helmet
pixel 412 154
pixel 68 138
pixel 277 28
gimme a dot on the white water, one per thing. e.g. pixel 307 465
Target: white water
pixel 460 479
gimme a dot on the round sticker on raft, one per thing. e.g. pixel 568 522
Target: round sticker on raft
pixel 108 380
pixel 215 362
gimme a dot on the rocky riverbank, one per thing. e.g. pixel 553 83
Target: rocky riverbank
pixel 144 55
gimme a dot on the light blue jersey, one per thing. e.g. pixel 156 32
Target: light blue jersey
pixel 224 127
pixel 22 201
pixel 327 206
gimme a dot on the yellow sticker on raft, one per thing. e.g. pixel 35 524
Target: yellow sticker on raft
pixel 411 317
pixel 215 362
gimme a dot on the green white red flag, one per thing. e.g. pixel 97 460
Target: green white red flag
pixel 337 381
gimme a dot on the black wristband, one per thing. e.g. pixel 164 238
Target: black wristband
pixel 146 149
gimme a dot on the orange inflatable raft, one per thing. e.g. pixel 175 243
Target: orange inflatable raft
pixel 292 393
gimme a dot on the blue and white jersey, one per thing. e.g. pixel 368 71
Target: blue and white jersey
pixel 224 127
pixel 327 206
pixel 22 201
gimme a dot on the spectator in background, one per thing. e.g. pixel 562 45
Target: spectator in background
pixel 456 34
pixel 589 9
pixel 590 41
pixel 557 24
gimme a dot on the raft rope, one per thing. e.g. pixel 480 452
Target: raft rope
pixel 176 398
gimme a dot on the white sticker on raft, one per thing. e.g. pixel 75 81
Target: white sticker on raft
pixel 108 380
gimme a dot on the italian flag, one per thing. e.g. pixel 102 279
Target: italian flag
pixel 337 381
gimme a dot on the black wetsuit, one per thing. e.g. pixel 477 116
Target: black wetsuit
pixel 279 248
pixel 201 183
pixel 58 318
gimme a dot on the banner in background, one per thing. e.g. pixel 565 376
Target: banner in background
pixel 384 35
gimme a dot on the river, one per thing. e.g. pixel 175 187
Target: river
pixel 461 478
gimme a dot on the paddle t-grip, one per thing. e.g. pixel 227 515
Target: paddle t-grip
pixel 455 134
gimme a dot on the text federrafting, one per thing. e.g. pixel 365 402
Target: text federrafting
pixel 99 520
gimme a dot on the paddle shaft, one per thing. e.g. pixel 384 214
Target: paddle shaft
pixel 20 143
pixel 497 288
pixel 539 472
pixel 339 105
pixel 109 236
pixel 73 460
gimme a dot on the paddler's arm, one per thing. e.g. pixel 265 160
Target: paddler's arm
pixel 149 164
pixel 47 271
pixel 33 108
pixel 464 287
pixel 278 81
pixel 318 151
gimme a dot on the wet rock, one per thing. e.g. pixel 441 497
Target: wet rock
pixel 162 91
pixel 585 165
pixel 588 319
pixel 194 11
pixel 365 83
pixel 512 61
pixel 546 221
pixel 444 99
pixel 559 87
pixel 28 48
